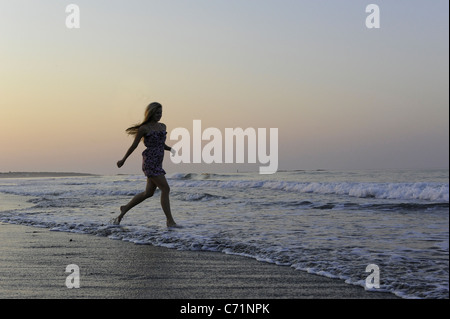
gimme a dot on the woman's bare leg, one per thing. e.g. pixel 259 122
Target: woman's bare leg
pixel 161 183
pixel 136 200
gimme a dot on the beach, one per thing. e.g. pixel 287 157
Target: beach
pixel 305 234
pixel 33 266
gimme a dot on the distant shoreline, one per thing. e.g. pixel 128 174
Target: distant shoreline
pixel 42 174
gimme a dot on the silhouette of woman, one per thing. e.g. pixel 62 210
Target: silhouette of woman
pixel 153 134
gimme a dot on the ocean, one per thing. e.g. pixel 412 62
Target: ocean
pixel 329 223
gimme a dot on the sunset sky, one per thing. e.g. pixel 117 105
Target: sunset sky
pixel 341 95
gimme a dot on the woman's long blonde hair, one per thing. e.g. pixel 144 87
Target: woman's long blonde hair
pixel 149 112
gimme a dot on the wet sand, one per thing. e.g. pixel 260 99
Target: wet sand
pixel 34 260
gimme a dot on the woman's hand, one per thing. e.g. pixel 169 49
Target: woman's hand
pixel 120 163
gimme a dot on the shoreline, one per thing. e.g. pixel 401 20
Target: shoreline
pixel 42 174
pixel 34 261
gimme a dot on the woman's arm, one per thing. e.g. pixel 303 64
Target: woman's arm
pixel 133 146
pixel 171 150
pixel 166 147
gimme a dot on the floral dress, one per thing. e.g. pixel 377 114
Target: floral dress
pixel 153 156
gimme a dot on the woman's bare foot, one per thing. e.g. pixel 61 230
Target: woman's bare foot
pixel 118 219
pixel 172 224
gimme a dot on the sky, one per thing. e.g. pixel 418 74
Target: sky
pixel 341 95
